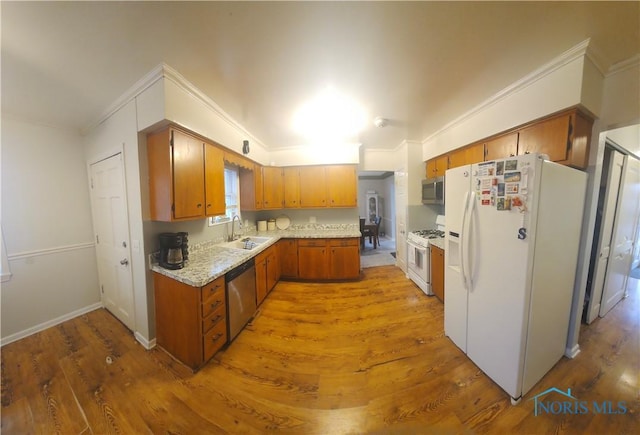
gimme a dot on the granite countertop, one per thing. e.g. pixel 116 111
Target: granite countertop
pixel 210 260
pixel 438 241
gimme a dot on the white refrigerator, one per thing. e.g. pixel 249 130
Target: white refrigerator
pixel 512 236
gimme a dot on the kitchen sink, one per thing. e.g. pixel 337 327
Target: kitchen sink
pixel 247 243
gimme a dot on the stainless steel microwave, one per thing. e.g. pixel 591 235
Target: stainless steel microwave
pixel 433 190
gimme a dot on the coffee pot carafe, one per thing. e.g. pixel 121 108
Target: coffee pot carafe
pixel 171 250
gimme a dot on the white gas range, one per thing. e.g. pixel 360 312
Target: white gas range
pixel 418 258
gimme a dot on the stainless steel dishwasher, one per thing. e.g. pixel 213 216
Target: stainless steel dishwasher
pixel 241 296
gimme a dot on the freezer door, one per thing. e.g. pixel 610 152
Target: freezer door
pixel 457 187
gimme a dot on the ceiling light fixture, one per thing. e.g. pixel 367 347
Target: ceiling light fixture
pixel 329 117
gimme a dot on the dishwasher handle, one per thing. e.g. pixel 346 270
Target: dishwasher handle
pixel 234 273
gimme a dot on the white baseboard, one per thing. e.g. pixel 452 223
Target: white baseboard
pixel 48 324
pixel 147 344
pixel 572 352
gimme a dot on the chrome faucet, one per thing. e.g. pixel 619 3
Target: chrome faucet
pixel 232 237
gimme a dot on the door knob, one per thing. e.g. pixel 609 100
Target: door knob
pixel 124 262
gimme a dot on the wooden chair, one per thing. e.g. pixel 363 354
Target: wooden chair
pixel 372 231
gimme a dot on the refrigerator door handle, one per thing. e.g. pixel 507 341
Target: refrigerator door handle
pixel 462 238
pixel 467 241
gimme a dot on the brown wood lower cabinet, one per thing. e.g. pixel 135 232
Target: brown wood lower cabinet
pixel 331 259
pixel 191 322
pixel 288 258
pixel 437 272
pixel 267 272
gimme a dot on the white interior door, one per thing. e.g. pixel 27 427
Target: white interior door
pixel 606 233
pixel 110 222
pixel 623 236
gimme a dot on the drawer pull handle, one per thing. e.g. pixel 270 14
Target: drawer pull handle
pixel 216 303
pixel 216 319
pixel 216 337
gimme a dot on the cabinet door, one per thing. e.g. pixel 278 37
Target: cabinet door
pixel 342 185
pixel 344 259
pixel 457 158
pixel 474 154
pixel 273 270
pixel 288 257
pixel 313 187
pixel 273 187
pixel 437 167
pixel 258 186
pixel 580 137
pixel 291 187
pixel 178 319
pixel 214 180
pixel 442 164
pixel 549 137
pixel 437 272
pixel 188 176
pixel 312 259
pixel 501 147
pixel 261 279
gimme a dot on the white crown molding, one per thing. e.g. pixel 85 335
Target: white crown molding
pixel 178 79
pixel 632 62
pixel 167 72
pixel 565 58
pixel 140 86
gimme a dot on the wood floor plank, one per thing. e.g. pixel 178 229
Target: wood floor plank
pixel 359 357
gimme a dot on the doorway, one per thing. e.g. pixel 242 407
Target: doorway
pixel 615 230
pixel 376 198
pixel 111 227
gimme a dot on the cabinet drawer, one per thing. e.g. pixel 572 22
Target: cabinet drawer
pixel 312 242
pixel 214 340
pixel 209 291
pixel 344 242
pixel 213 303
pixel 217 316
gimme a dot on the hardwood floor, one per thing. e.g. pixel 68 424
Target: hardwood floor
pixel 364 357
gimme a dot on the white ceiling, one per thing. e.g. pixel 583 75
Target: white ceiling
pixel 419 64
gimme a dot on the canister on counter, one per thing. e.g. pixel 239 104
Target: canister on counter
pixel 271 225
pixel 262 225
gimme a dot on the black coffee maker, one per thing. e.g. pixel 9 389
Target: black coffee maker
pixel 173 247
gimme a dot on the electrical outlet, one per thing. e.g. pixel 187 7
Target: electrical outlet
pixel 312 219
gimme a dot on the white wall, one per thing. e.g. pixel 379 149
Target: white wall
pixel 46 221
pixel 119 133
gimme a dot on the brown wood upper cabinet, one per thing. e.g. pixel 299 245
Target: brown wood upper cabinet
pixel 291 187
pixel 313 186
pixel 186 176
pixel 214 181
pixel 251 191
pixel 437 167
pixel 564 138
pixel 465 156
pixel 342 185
pixel 273 187
pixel 551 137
pixel 500 147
